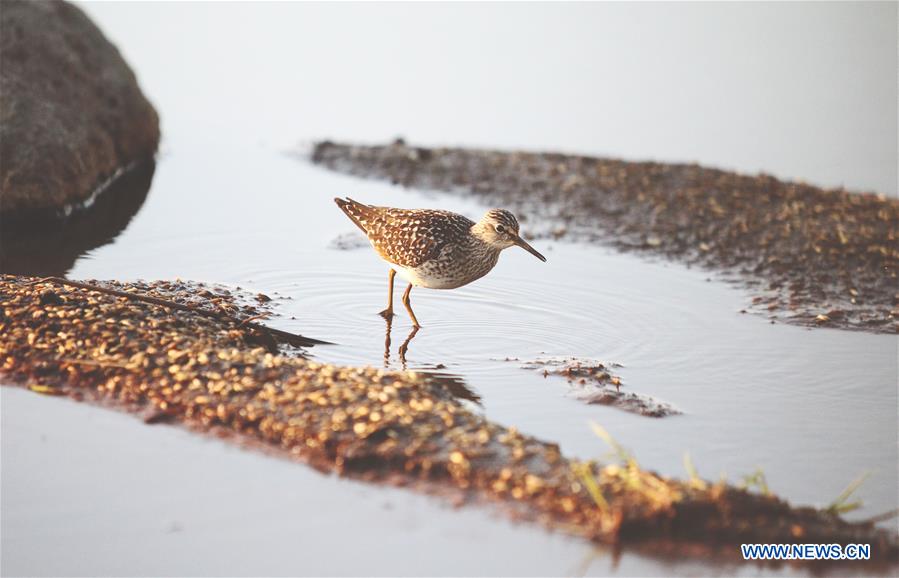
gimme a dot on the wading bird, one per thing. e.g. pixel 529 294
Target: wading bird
pixel 434 249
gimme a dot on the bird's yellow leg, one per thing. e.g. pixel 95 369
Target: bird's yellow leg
pixel 388 313
pixel 408 305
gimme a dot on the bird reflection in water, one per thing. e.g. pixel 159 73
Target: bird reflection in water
pixel 403 348
pixel 454 384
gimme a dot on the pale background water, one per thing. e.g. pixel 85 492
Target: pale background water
pixel 800 91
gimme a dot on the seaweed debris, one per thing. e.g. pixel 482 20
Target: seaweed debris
pixel 594 383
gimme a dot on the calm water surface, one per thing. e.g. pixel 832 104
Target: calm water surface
pixel 233 202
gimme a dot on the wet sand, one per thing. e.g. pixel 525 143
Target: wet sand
pixel 212 375
pixel 811 256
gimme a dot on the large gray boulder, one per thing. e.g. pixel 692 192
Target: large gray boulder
pixel 71 112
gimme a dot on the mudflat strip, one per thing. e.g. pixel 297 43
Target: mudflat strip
pixel 811 256
pixel 211 374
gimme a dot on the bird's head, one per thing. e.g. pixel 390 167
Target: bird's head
pixel 499 229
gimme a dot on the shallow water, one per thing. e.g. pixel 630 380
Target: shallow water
pixel 812 408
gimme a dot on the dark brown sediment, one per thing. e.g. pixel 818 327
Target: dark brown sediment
pixel 210 374
pixel 592 382
pixel 811 256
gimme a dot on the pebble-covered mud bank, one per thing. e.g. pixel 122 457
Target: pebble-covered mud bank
pixel 812 256
pixel 216 373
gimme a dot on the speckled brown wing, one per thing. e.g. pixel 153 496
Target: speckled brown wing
pixel 406 237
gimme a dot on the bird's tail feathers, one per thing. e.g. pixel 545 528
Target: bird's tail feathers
pixel 356 211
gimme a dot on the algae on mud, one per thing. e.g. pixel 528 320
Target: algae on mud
pixel 820 257
pixel 593 383
pixel 400 427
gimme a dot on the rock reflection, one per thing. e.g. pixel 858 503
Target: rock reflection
pixel 42 243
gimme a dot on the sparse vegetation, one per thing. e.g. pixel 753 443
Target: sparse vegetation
pixel 758 481
pixel 841 504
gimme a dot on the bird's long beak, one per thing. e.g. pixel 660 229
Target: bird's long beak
pixel 524 245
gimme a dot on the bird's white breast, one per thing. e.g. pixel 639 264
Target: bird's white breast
pixel 430 277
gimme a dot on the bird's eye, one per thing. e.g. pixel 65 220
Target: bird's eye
pixel 500 228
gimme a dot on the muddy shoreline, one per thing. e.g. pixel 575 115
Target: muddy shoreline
pixel 215 375
pixel 809 256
